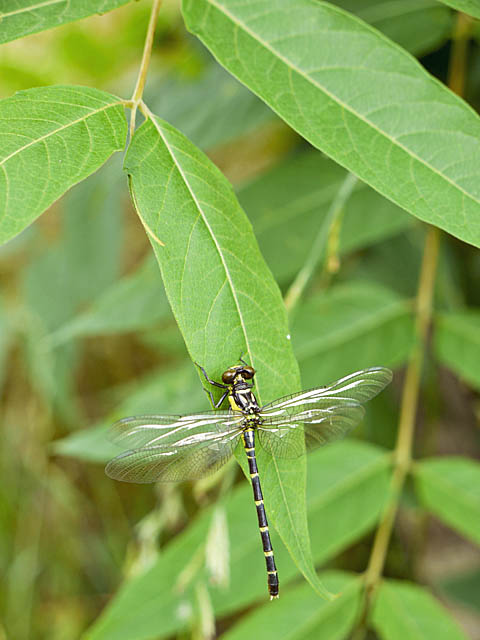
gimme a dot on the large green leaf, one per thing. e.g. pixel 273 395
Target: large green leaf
pixel 350 327
pixel 348 484
pixel 416 25
pixel 289 204
pixel 50 139
pixel 299 615
pixel 22 17
pixel 472 7
pixel 404 610
pixel 224 298
pixel 358 97
pixel 450 488
pixel 457 343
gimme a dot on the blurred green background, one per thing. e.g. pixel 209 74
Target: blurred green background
pixel 86 334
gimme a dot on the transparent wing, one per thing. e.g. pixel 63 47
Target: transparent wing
pixel 165 430
pixel 190 457
pixel 356 388
pixel 326 413
pixel 320 426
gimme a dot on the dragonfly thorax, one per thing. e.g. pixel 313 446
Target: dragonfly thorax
pixel 242 398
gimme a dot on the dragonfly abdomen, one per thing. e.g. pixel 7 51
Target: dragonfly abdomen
pixel 272 575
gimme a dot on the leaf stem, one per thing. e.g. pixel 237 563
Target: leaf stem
pixel 317 251
pixel 142 72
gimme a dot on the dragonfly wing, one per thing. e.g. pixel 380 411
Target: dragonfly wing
pixel 188 459
pixel 356 388
pixel 320 426
pixel 165 430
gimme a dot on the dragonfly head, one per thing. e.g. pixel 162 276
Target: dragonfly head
pixel 233 374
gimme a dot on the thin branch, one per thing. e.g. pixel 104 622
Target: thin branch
pixel 142 72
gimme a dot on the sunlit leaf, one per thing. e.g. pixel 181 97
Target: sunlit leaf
pixel 450 488
pixel 457 343
pixel 358 97
pixel 22 17
pixel 348 484
pixel 50 139
pixel 404 610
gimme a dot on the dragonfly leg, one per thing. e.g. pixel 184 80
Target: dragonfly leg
pixel 215 384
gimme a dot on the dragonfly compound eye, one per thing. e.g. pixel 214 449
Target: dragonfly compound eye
pixel 229 376
pixel 248 373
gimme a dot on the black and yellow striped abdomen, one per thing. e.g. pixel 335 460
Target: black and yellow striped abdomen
pixel 249 444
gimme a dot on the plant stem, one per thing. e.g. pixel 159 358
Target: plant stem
pixel 402 458
pixel 142 72
pixel 317 251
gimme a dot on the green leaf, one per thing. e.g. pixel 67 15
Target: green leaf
pixel 463 587
pixel 450 488
pixel 348 484
pixel 133 303
pixel 351 327
pixel 416 25
pixel 358 97
pixel 22 17
pixel 300 615
pixel 404 610
pixel 288 204
pixel 472 7
pixel 457 343
pixel 223 296
pixel 50 139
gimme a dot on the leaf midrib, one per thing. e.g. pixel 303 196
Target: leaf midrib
pixel 40 5
pixel 210 231
pixel 290 65
pixel 55 131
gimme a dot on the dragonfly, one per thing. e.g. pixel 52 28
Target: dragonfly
pixel 175 448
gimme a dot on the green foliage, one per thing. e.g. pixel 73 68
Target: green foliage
pixel 450 488
pixel 51 138
pixel 472 7
pixel 404 610
pixel 237 309
pixel 457 343
pixel 23 17
pixel 347 487
pixel 95 326
pixel 407 136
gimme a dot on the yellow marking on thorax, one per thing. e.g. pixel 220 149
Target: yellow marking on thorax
pixel 233 404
